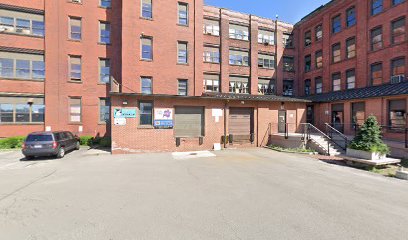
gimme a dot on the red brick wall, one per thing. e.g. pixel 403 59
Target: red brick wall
pixel 133 139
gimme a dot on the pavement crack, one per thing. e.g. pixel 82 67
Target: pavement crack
pixel 27 185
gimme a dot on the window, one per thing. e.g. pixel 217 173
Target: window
pixel 147 11
pixel 398 31
pixel 396 2
pixel 211 83
pixel 21 23
pixel 104 70
pixel 22 66
pixel 211 54
pixel 308 38
pixel 351 78
pixel 75 68
pixel 336 79
pixel 147 48
pixel 319 59
pixel 104 110
pixel 75 32
pixel 376 39
pixel 266 86
pixel 398 67
pixel 318 85
pixel 308 87
pixel 351 47
pixel 211 27
pixel 266 61
pixel 105 3
pixel 336 53
pixel 397 113
pixel 319 32
pixel 76 1
pixel 239 84
pixel 288 64
pixel 18 110
pixel 240 58
pixel 266 37
pixel 182 53
pixel 376 6
pixel 287 40
pixel 357 114
pixel 182 87
pixel 147 86
pixel 351 17
pixel 75 110
pixel 308 63
pixel 183 14
pixel 146 113
pixel 288 88
pixel 239 32
pixel 104 32
pixel 336 24
pixel 376 74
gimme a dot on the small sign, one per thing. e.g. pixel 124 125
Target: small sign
pixel 120 121
pixel 124 113
pixel 163 118
pixel 217 113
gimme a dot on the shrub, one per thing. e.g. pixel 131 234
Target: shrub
pixel 10 143
pixel 369 138
pixel 86 140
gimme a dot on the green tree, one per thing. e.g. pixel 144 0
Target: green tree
pixel 369 138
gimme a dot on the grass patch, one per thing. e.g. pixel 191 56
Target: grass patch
pixel 11 143
pixel 290 150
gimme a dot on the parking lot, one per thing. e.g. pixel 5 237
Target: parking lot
pixel 234 194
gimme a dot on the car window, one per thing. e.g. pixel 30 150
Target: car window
pixel 57 136
pixel 63 136
pixel 69 135
pixel 39 138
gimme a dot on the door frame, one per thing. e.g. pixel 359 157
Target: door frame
pixel 280 130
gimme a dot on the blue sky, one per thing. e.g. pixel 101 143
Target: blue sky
pixel 288 10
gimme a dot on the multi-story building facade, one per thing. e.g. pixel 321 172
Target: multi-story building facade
pixel 353 57
pixel 178 75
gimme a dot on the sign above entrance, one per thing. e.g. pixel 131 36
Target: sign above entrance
pixel 163 118
pixel 124 113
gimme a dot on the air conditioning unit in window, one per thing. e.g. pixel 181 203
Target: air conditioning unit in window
pixel 266 43
pixel 397 79
pixel 76 1
pixel 6 29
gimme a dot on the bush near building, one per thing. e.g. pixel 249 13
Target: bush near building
pixel 95 141
pixel 11 143
pixel 369 138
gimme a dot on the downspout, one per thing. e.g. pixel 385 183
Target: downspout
pixel 225 124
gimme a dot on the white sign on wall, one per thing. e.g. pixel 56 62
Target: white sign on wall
pixel 120 121
pixel 217 113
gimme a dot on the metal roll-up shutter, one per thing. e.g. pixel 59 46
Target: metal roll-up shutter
pixel 189 122
pixel 240 123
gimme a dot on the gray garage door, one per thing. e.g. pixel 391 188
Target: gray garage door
pixel 189 122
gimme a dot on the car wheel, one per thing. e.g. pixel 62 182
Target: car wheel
pixel 61 153
pixel 78 146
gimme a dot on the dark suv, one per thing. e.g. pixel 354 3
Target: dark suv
pixel 41 144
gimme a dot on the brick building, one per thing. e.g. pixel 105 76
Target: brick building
pixel 178 75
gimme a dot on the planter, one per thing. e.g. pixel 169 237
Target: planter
pixel 364 155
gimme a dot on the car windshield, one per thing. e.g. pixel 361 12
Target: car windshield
pixel 39 138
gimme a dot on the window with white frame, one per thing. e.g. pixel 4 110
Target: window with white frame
pixel 75 28
pixel 211 82
pixel 75 68
pixel 105 3
pixel 211 27
pixel 104 70
pixel 266 61
pixel 146 48
pixel 351 79
pixel 21 110
pixel 75 109
pixel 104 110
pixel 183 13
pixel 336 81
pixel 21 23
pixel 266 37
pixel 211 54
pixel 22 66
pixel 104 32
pixel 266 86
pixel 239 32
pixel 238 57
pixel 147 85
pixel 182 87
pixel 147 9
pixel 318 85
pixel 238 84
pixel 182 50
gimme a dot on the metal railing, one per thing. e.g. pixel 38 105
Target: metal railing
pixel 309 130
pixel 336 136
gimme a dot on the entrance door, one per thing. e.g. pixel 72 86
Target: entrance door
pixel 310 114
pixel 338 117
pixel 282 121
pixel 241 124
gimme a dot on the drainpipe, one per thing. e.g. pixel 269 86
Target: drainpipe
pixel 225 125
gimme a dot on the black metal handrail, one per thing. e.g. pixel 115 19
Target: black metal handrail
pixel 335 134
pixel 308 128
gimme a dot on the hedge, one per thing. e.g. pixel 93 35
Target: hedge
pixel 12 142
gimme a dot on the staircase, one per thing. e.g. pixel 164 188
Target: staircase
pixel 333 143
pixel 323 146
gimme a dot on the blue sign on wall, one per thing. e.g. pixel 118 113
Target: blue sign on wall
pixel 124 113
pixel 163 123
